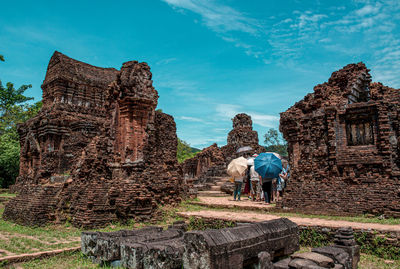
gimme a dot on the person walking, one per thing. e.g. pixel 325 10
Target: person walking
pixel 267 189
pixel 238 187
pixel 254 180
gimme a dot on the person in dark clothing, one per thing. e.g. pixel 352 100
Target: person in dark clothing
pixel 267 189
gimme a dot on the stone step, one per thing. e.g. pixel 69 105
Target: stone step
pixel 215 188
pixel 212 193
pixel 220 183
pixel 201 187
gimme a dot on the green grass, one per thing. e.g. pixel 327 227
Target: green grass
pixel 65 260
pixel 6 194
pixel 46 232
pixel 21 239
pixel 374 262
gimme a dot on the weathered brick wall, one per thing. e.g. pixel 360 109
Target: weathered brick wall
pixel 112 166
pixel 343 147
pixel 199 164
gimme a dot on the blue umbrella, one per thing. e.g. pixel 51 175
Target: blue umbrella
pixel 268 165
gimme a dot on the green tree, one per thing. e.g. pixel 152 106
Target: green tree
pixel 9 96
pixel 185 151
pixel 13 110
pixel 275 143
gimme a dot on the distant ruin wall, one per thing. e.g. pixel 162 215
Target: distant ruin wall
pixel 213 160
pixel 97 151
pixel 199 164
pixel 344 149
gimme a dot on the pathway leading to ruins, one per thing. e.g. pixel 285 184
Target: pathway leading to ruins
pixel 310 222
pixel 228 202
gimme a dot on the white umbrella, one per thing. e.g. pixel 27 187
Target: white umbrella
pixel 237 167
pixel 243 149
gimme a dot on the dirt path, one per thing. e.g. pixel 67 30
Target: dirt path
pixel 228 202
pixel 254 217
pixel 4 252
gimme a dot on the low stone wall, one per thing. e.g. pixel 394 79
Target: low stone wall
pixel 233 247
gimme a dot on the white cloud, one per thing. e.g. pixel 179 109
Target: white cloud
pixel 166 61
pixel 193 119
pixel 264 120
pixel 226 21
pixel 368 9
pixel 361 30
pixel 225 111
pixel 218 17
pixel 366 32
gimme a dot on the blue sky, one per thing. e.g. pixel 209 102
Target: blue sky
pixel 210 59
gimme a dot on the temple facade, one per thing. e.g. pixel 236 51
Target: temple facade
pixel 344 147
pixel 97 151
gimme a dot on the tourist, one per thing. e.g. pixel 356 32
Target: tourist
pixel 279 185
pixel 284 175
pixel 274 189
pixel 238 186
pixel 267 189
pixel 255 180
pixel 246 181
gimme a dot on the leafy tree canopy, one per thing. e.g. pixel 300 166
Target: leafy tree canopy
pixel 185 151
pixel 9 96
pixel 13 110
pixel 275 143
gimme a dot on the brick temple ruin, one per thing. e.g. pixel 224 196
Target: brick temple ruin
pixel 213 160
pixel 344 147
pixel 97 151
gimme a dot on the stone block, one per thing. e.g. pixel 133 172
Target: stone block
pixel 339 255
pixel 303 264
pixel 319 259
pixel 233 247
